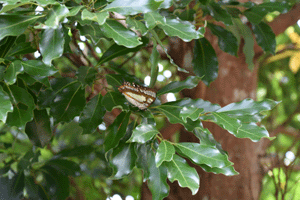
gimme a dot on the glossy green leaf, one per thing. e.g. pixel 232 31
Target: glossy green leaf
pixel 21 48
pixel 116 131
pixel 12 71
pixel 157 181
pixel 205 61
pixel 114 99
pixel 227 171
pixel 186 15
pixel 137 25
pixel 265 37
pixel 23 106
pixel 31 80
pixel 91 30
pixel 38 68
pixel 219 13
pixel 256 13
pixel 143 152
pixel 52 44
pixel 78 151
pixel 172 111
pixel 203 154
pixel 186 176
pixel 165 152
pixel 154 65
pixel 38 130
pixel 75 10
pixel 64 166
pixel 248 107
pixel 176 86
pixel 153 18
pixel 56 15
pixel 248 48
pixel 68 103
pixel 226 40
pixel 15 25
pixel 132 7
pixel 6 45
pixel 123 160
pixel 238 129
pixel 116 50
pixel 190 112
pixel 143 133
pixel 207 138
pixel 11 4
pixel 92 115
pixel 99 17
pixel 166 4
pixel 86 75
pixel 6 105
pixel 182 29
pixel 121 35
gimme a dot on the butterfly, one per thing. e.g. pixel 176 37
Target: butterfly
pixel 139 96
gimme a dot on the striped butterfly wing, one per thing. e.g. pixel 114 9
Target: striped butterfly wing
pixel 139 96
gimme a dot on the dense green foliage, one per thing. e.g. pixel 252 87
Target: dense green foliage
pixel 53 100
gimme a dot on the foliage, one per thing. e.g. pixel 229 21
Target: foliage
pixel 279 79
pixel 57 98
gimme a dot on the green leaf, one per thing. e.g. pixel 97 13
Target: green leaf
pixel 154 65
pixel 206 138
pixel 123 160
pixel 121 35
pixel 137 25
pixel 238 129
pixel 92 115
pixel 116 131
pixel 116 50
pixel 86 75
pixel 164 152
pixel 248 107
pixel 157 181
pixel 190 112
pixel 205 61
pixel 153 18
pixel 99 17
pixel 143 133
pixel 12 71
pixel 56 15
pixel 52 44
pixel 172 111
pixel 248 41
pixel 38 130
pixel 6 45
pixel 227 41
pixel 21 48
pixel 64 166
pixel 183 29
pixel 78 151
pixel 91 30
pixel 203 154
pixel 6 105
pixel 114 99
pixel 256 13
pixel 219 13
pixel 75 10
pixel 176 86
pixel 186 176
pixel 15 25
pixel 17 184
pixel 265 37
pixel 23 106
pixel 132 7
pixel 38 68
pixel 68 103
pixel 227 171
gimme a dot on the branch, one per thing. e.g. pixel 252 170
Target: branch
pixel 281 23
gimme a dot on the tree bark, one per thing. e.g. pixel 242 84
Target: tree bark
pixel 235 82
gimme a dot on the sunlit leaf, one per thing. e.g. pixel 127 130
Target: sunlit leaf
pixel 165 152
pixel 143 133
pixel 6 105
pixel 99 17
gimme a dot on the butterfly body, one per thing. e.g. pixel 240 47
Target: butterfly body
pixel 139 96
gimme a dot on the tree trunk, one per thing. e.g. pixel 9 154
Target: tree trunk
pixel 234 83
